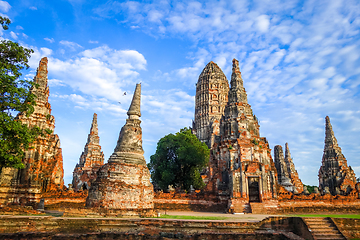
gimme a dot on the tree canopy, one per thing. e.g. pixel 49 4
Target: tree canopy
pixel 179 160
pixel 15 97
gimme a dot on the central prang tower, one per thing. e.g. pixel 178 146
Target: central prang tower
pixel 241 166
pixel 211 98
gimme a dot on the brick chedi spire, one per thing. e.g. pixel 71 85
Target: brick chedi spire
pixel 130 141
pixel 91 159
pixel 240 162
pixel 334 172
pixel 282 169
pixel 237 92
pixel 210 101
pixel 123 184
pixel 43 161
pixel 238 107
pixel 293 174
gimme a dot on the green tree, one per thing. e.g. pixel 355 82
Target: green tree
pixel 178 161
pixel 310 188
pixel 15 97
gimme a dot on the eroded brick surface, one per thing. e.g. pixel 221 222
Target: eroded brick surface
pixel 91 159
pixel 334 172
pixel 124 182
pixel 241 167
pixel 43 161
pixel 210 101
pixel 293 174
pixel 288 177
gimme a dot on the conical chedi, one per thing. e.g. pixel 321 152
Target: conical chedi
pixel 91 159
pixel 124 182
pixel 334 172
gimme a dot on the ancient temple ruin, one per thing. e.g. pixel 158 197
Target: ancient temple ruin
pixel 210 101
pixel 282 170
pixel 43 160
pixel 123 184
pixel 334 174
pixel 241 165
pixel 293 174
pixel 91 159
pixel 288 177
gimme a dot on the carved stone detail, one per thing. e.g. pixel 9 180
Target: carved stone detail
pixel 334 172
pixel 210 101
pixel 240 163
pixel 43 161
pixel 91 159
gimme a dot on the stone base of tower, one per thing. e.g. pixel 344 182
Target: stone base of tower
pixel 122 189
pixel 23 195
pixel 242 205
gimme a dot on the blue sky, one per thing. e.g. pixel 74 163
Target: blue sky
pixel 299 61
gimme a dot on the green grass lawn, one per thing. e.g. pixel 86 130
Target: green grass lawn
pixel 192 217
pixel 356 216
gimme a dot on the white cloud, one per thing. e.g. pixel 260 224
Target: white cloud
pixel 71 45
pixel 155 16
pixel 19 27
pixel 100 72
pixel 4 6
pixel 55 82
pixel 174 107
pixel 33 8
pixel 50 40
pixel 13 35
pixel 97 104
pixel 90 41
pixel 299 62
pixel 263 23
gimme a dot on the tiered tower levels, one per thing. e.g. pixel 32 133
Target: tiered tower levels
pixel 211 98
pixel 91 159
pixel 241 165
pixel 334 172
pixel 43 160
pixel 123 184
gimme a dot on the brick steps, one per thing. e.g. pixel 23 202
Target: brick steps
pixel 323 229
pixel 263 207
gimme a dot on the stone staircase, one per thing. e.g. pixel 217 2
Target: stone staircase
pixel 323 228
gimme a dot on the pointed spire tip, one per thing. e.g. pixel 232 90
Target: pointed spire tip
pixel 134 109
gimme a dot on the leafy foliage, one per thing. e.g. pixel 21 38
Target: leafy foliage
pixel 15 97
pixel 178 161
pixel 310 188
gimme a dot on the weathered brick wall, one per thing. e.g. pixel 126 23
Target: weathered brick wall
pixel 349 227
pixel 189 202
pixel 313 206
pixel 95 228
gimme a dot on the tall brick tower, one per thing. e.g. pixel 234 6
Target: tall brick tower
pixel 123 184
pixel 211 98
pixel 91 159
pixel 43 161
pixel 334 172
pixel 240 163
